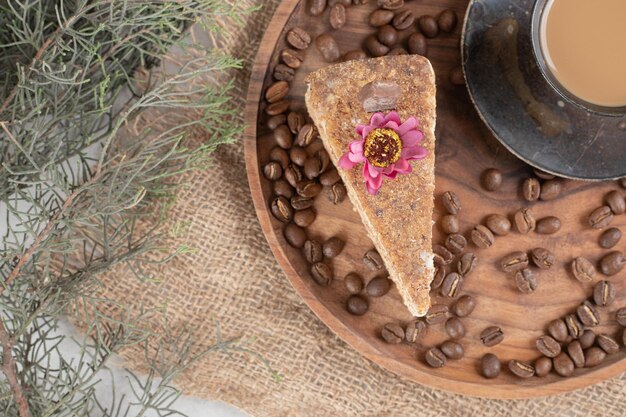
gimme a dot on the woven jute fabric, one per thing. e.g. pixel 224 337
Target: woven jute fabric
pixel 231 277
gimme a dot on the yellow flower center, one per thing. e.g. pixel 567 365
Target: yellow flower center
pixel 382 147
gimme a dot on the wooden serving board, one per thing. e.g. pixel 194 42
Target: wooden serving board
pixel 465 148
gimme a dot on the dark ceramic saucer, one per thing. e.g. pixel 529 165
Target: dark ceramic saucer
pixel 522 109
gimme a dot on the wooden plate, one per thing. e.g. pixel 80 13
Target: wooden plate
pixel 465 149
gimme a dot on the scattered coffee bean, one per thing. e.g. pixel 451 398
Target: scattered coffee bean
pixel 604 293
pixel 574 327
pixel 277 108
pixel 392 333
pixel 336 193
pixel 542 174
pixel 277 91
pixel 281 209
pixel 543 366
pixel 390 4
pixel 515 261
pixel 356 54
pixel 292 58
pixel 613 263
pixel 378 286
pixel 272 171
pixel 451 285
pixel 525 281
pixel 583 269
pixel 594 356
pixel 615 200
pixel 298 155
pixel 465 305
pixel 397 51
pixel 447 21
pixel 620 316
pixel 295 121
pixel 446 256
pixel 301 203
pixel 283 189
pixel 306 135
pixel 531 189
pixel 491 179
pixel 491 336
pixel 498 224
pixel 353 283
pixel 455 328
pixel 610 237
pixel 548 346
pixel 550 190
pixel 337 16
pixel 403 20
pixel 587 339
pixel 439 276
pixel 275 121
pixel 387 35
pixel 375 47
pixel 622 182
pixel 299 38
pixel 312 168
pixel 317 7
pixel 456 76
pixel 438 313
pixel 542 258
pixel 601 217
pixel 524 221
pixel 417 44
pixel 357 305
pixel 450 224
pixel 324 158
pixel 428 26
pixel 521 369
pixel 345 3
pixel 327 46
pixel 455 243
pixel 322 274
pixel 548 225
pixel 558 330
pixel 284 73
pixel 575 352
pixel 482 237
pixel 435 358
pixel 563 365
pixel 283 137
pixel 490 366
pixel 333 247
pixel 607 343
pixel 414 330
pixel 451 202
pixel 308 188
pixel 380 17
pixel 452 350
pixel 373 260
pixel 466 264
pixel 329 177
pixel 294 235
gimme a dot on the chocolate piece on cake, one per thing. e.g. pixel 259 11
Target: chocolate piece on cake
pixel 396 212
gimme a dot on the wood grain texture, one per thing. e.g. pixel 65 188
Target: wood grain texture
pixel 465 148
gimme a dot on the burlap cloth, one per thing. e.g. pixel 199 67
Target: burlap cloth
pixel 233 277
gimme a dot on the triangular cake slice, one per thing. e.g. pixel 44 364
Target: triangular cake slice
pixel 396 212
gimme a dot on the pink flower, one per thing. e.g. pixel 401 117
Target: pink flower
pixel 386 146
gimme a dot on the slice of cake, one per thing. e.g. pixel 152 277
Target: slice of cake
pixel 376 118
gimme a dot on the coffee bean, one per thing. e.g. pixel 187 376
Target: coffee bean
pixel 292 58
pixel 357 305
pixel 417 44
pixel 345 3
pixel 403 20
pixel 451 285
pixel 525 281
pixel 548 225
pixel 375 47
pixel 583 269
pixel 491 336
pixel 275 121
pixel 392 333
pixel 283 189
pixel 373 260
pixel 277 108
pixel 277 91
pixel 284 73
pixel 542 258
pixel 615 200
pixel 336 193
pixel 322 274
pixel 316 7
pixel 482 237
pixel 601 217
pixel 455 328
pixel 594 356
pixel 378 286
pixel 543 366
pixel 455 243
pixel 428 26
pixel 294 235
pixel 610 237
pixel 620 316
pixel 397 51
pixel 563 365
pixel 387 35
pixel 604 293
pixel 356 54
pixel 390 4
pixel 380 17
pixel 281 209
pixel 548 346
pixel 447 21
pixel 607 343
pixel 550 190
pixel 414 330
pixel 312 250
pixel 452 350
pixel 295 121
pixel 543 175
pixel 283 137
pixel 490 366
pixel 613 263
pixel 306 135
pixel 298 37
pixel 442 255
pixel 456 76
pixel 329 178
pixel 324 158
pixel 491 179
pixel 327 46
pixel 308 189
pixel 558 330
pixel 438 313
pixel 587 339
pixel 464 306
pixel 337 16
pixel 272 171
pixel 450 224
pixel 531 189
pixel 435 358
pixel 576 354
pixel 301 203
pixel 498 224
pixel 466 264
pixel 438 277
pixel 353 283
pixel 521 369
pixel 515 261
pixel 574 326
pixel 622 182
pixel 333 247
pixel 312 168
pixel 451 202
pixel 298 155
pixel 524 221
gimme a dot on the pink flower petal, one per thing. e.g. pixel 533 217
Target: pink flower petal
pixel 359 129
pixel 372 171
pixel 356 146
pixel 402 166
pixel 356 157
pixel 366 131
pixel 413 152
pixel 345 162
pixel 409 124
pixel 376 182
pixel 377 120
pixel 392 116
pixel 391 125
pixel 392 175
pixel 371 189
pixel 411 138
